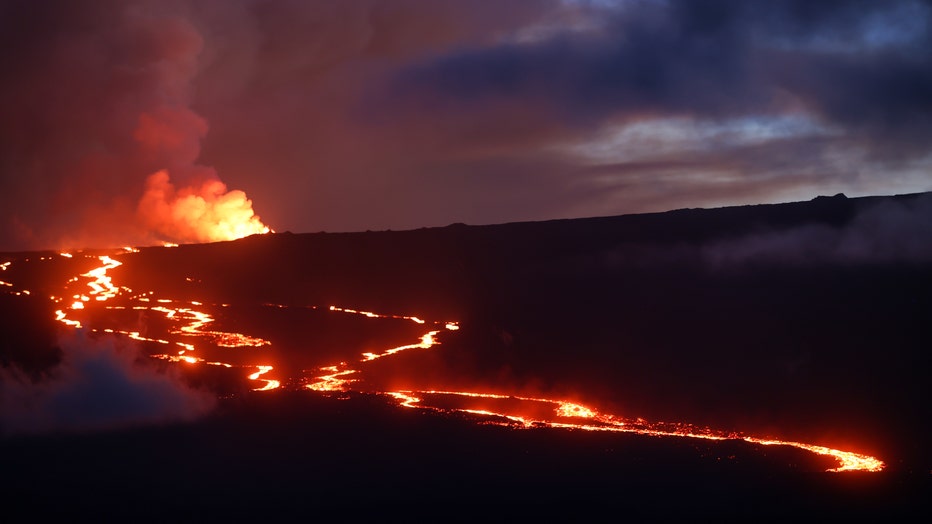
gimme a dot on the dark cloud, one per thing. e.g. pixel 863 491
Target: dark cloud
pixel 708 59
pixel 99 385
pixel 637 71
pixel 857 72
pixel 368 114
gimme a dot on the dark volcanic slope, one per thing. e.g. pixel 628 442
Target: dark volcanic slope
pixel 808 320
pixel 453 270
pixel 293 456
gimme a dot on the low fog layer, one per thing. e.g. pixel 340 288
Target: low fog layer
pixel 99 384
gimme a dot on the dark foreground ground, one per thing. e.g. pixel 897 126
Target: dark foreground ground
pixel 808 320
pixel 306 457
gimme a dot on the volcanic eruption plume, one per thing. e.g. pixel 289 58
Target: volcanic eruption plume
pixel 208 213
pixel 198 212
pixel 202 211
pixel 100 131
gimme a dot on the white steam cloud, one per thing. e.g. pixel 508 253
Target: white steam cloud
pixel 99 385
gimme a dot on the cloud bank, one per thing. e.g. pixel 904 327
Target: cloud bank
pixel 369 114
pixel 889 232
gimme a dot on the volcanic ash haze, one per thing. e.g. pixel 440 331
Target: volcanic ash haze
pixel 106 143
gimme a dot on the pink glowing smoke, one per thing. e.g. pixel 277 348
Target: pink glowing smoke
pixel 98 114
pixel 205 213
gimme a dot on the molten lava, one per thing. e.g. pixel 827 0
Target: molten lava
pixel 593 421
pixel 185 319
pixel 96 304
pixel 333 381
pixel 269 384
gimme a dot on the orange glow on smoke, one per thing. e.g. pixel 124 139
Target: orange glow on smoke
pixel 205 213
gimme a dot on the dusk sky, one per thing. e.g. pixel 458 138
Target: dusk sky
pixel 122 121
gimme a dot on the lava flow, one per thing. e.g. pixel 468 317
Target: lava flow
pixel 184 317
pixel 94 302
pixel 565 414
pixel 512 410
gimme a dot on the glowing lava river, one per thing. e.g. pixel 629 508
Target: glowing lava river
pixel 183 331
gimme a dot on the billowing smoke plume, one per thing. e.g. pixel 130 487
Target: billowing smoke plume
pixel 99 100
pixel 408 113
pixel 207 213
pixel 199 212
pixel 99 385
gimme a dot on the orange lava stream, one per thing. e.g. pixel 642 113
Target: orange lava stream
pixel 60 316
pixel 102 285
pixel 269 384
pixel 847 461
pixel 333 381
pixel 376 315
pixel 565 414
pixel 3 267
pixel 198 319
pixel 426 342
pixel 190 320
